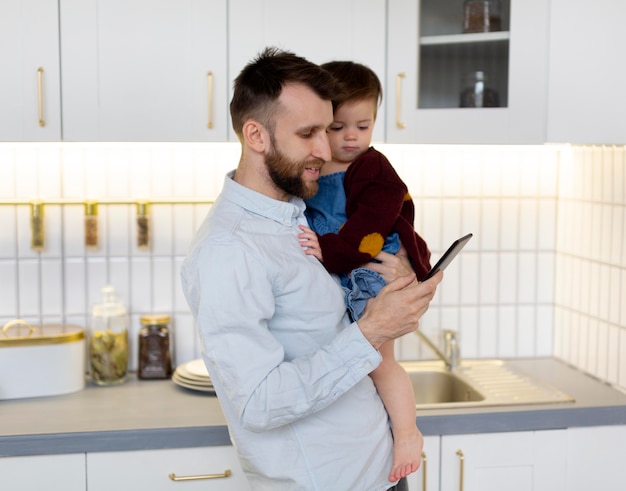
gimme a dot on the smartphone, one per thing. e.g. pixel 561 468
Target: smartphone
pixel 448 256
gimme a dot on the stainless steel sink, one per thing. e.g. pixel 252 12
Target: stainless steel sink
pixel 477 383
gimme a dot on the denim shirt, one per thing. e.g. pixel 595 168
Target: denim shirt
pixel 289 368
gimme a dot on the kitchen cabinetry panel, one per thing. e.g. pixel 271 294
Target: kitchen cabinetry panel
pixel 596 458
pixel 30 97
pixel 321 31
pixel 410 120
pixel 519 461
pixel 34 473
pixel 138 70
pixel 587 89
pixel 151 469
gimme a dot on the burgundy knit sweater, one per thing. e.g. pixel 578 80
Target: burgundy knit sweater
pixel 378 204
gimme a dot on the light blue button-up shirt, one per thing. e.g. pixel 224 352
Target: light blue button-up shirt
pixel 289 369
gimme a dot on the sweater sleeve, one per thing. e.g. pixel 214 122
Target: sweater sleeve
pixel 375 195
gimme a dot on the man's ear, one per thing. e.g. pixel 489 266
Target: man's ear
pixel 255 135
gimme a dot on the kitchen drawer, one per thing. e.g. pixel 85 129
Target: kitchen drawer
pixel 37 472
pixel 151 469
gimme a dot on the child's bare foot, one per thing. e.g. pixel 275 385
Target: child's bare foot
pixel 407 454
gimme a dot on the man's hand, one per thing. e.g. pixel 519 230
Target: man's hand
pixel 397 309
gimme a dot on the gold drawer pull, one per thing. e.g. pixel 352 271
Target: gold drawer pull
pixel 210 97
pixel 226 474
pixel 399 122
pixel 461 465
pixel 40 96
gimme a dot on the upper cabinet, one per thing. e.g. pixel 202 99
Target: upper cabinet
pixel 321 31
pixel 587 82
pixel 30 96
pixel 140 70
pixel 467 71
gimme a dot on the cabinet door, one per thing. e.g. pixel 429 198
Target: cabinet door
pixel 34 473
pixel 410 120
pixel 206 469
pixel 321 31
pixel 30 97
pixel 140 70
pixel 427 476
pixel 586 96
pixel 595 458
pixel 520 461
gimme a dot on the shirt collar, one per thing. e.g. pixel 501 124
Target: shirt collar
pixel 283 212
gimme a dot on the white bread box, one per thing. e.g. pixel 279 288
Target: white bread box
pixel 41 360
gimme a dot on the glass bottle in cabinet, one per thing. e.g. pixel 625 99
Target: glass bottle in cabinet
pixel 457 38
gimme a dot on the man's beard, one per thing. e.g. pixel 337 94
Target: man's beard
pixel 286 173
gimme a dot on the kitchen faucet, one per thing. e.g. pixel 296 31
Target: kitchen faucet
pixel 451 354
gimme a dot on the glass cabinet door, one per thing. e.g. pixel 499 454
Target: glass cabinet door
pixel 458 74
pixel 463 53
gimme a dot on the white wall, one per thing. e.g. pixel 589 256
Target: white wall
pixel 503 293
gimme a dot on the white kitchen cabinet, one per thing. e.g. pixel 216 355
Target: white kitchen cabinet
pixel 427 476
pixel 203 468
pixel 515 461
pixel 30 96
pixel 587 74
pixel 595 458
pixel 140 70
pixel 37 472
pixel 324 30
pixel 426 46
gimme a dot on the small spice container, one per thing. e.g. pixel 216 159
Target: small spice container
pixel 481 16
pixel 143 224
pixel 155 359
pixel 91 224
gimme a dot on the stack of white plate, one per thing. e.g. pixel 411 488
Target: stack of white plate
pixel 193 375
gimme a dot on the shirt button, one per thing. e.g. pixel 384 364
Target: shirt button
pixel 367 365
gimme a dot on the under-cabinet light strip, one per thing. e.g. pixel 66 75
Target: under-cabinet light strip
pixel 52 201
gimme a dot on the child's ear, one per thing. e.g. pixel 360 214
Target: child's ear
pixel 256 135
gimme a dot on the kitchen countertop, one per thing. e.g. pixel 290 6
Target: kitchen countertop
pixel 155 414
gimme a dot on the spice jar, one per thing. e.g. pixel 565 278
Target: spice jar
pixel 143 224
pixel 155 359
pixel 481 16
pixel 37 226
pixel 108 340
pixel 476 93
pixel 91 224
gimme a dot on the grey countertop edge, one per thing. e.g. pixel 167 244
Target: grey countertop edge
pixel 154 415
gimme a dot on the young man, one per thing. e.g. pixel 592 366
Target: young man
pixel 288 366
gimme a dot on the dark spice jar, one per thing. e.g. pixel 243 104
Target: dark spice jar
pixel 481 16
pixel 155 359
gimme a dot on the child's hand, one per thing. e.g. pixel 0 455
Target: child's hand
pixel 309 241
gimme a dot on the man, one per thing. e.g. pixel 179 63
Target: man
pixel 288 366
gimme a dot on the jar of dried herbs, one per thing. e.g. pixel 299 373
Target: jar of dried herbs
pixel 108 340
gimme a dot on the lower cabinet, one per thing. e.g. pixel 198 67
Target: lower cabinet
pixel 517 461
pixel 37 472
pixel 206 469
pixel 595 458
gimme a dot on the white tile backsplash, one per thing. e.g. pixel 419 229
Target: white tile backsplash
pixel 545 273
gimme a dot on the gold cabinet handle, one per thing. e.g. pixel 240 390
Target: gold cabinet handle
pixel 424 468
pixel 210 94
pixel 224 475
pixel 40 95
pixel 462 462
pixel 399 122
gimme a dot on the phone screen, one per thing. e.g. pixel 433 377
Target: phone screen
pixel 448 256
